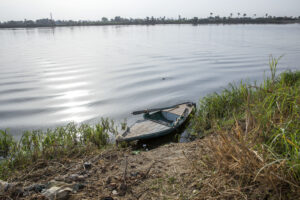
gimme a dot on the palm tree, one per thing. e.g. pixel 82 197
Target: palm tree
pixel 238 14
pixel 211 14
pixel 231 14
pixel 244 15
pixel 266 15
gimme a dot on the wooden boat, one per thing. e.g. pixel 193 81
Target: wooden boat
pixel 157 122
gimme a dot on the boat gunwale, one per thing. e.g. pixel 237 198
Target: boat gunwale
pixel 159 133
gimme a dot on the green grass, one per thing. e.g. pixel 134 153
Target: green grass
pixel 51 144
pixel 6 143
pixel 269 111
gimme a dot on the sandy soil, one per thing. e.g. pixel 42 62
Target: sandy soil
pixel 167 172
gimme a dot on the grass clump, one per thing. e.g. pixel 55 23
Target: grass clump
pixel 6 143
pixel 52 144
pixel 257 130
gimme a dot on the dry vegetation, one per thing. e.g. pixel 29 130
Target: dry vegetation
pixel 255 154
pixel 167 172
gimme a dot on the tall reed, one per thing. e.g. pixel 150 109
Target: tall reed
pixel 52 144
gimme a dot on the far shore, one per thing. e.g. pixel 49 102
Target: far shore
pixel 148 21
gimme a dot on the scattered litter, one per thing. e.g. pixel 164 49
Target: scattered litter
pixel 57 193
pixel 114 192
pixel 136 152
pixel 87 165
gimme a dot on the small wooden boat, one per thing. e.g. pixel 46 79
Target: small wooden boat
pixel 157 122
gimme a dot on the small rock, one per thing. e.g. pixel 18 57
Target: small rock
pixel 36 188
pixel 106 198
pixel 80 178
pixel 194 191
pixel 3 186
pixel 78 186
pixel 114 192
pixel 87 165
pixel 68 180
pixel 134 174
pixel 73 176
pixel 76 177
pixel 59 178
pixel 86 176
pixel 53 183
pixel 57 193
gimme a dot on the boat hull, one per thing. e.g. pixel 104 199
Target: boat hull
pixel 153 127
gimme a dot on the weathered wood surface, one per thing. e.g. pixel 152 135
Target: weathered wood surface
pixel 145 127
pixel 179 110
pixel 148 127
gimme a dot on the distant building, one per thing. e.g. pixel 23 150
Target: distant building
pixel 44 22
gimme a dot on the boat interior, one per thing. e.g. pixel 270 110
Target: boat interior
pixel 162 117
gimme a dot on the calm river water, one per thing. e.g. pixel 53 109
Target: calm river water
pixel 53 76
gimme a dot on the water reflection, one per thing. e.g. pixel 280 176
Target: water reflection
pixel 74 107
pixel 46 31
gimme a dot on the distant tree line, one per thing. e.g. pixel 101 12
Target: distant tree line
pixel 241 18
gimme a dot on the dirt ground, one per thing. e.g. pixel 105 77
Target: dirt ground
pixel 166 172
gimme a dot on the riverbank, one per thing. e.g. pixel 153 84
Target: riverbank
pixel 119 174
pixel 250 151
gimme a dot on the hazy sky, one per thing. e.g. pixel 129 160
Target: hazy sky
pixel 96 9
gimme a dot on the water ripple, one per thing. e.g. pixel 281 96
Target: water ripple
pixel 76 74
pixel 26 99
pixel 16 90
pixel 17 82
